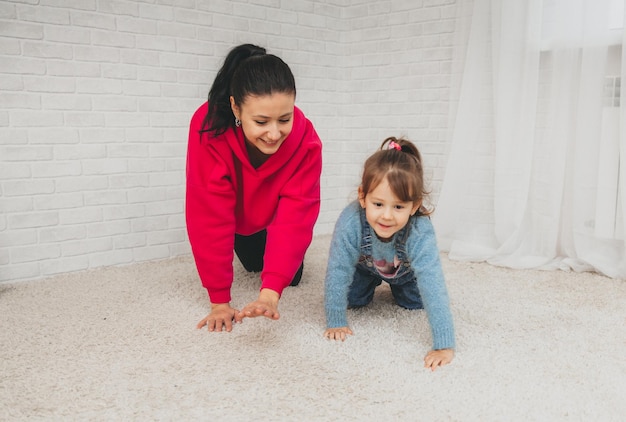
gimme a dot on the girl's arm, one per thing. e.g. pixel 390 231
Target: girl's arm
pixel 424 255
pixel 343 257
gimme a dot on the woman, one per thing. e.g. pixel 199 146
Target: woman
pixel 253 183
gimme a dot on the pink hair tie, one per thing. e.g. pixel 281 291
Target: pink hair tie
pixel 394 145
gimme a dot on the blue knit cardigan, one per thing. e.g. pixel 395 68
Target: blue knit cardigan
pixel 422 251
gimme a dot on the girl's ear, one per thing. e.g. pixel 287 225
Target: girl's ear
pixel 416 207
pixel 361 197
pixel 234 107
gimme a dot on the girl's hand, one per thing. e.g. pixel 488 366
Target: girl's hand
pixel 266 305
pixel 339 333
pixel 436 358
pixel 221 316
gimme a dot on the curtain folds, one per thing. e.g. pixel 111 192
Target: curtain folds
pixel 536 172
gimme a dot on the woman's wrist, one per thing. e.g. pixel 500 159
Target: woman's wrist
pixel 269 294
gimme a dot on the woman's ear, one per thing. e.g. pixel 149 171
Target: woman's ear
pixel 235 108
pixel 361 197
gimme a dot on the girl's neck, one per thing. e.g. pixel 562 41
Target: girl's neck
pixel 384 240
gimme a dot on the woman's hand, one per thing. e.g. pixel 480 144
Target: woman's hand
pixel 266 305
pixel 339 333
pixel 220 318
pixel 436 358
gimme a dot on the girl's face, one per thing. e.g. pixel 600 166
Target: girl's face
pixel 266 120
pixel 385 212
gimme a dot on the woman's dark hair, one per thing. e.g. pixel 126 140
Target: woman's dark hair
pixel 247 70
pixel 400 162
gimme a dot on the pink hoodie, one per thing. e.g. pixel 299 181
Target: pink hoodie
pixel 226 195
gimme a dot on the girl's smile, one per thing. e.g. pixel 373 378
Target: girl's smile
pixel 384 212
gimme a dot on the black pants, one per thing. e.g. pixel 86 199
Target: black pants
pixel 250 251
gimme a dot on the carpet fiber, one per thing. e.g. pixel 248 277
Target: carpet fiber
pixel 121 344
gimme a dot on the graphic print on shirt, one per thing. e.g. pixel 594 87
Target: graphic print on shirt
pixel 387 269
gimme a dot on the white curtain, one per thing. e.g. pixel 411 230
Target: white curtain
pixel 536 174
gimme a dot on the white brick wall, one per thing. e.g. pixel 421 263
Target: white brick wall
pixel 397 65
pixel 96 97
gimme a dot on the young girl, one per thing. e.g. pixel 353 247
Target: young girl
pixel 387 235
pixel 253 183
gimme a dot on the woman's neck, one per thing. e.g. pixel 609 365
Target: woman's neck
pixel 256 157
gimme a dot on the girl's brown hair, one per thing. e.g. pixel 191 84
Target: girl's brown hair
pixel 400 162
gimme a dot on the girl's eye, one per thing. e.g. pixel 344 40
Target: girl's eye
pixel 399 207
pixel 378 204
pixel 259 123
pixel 285 121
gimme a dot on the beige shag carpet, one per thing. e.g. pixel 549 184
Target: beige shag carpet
pixel 120 344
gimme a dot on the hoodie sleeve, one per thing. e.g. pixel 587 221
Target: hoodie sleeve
pixel 209 211
pixel 290 233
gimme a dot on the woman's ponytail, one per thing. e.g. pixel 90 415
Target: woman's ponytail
pixel 220 116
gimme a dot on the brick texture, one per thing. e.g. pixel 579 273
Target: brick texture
pixel 96 97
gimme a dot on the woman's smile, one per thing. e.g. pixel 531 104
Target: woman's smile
pixel 266 120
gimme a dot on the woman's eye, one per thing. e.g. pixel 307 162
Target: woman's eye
pixel 285 121
pixel 259 123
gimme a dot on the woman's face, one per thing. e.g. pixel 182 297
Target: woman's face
pixel 266 120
